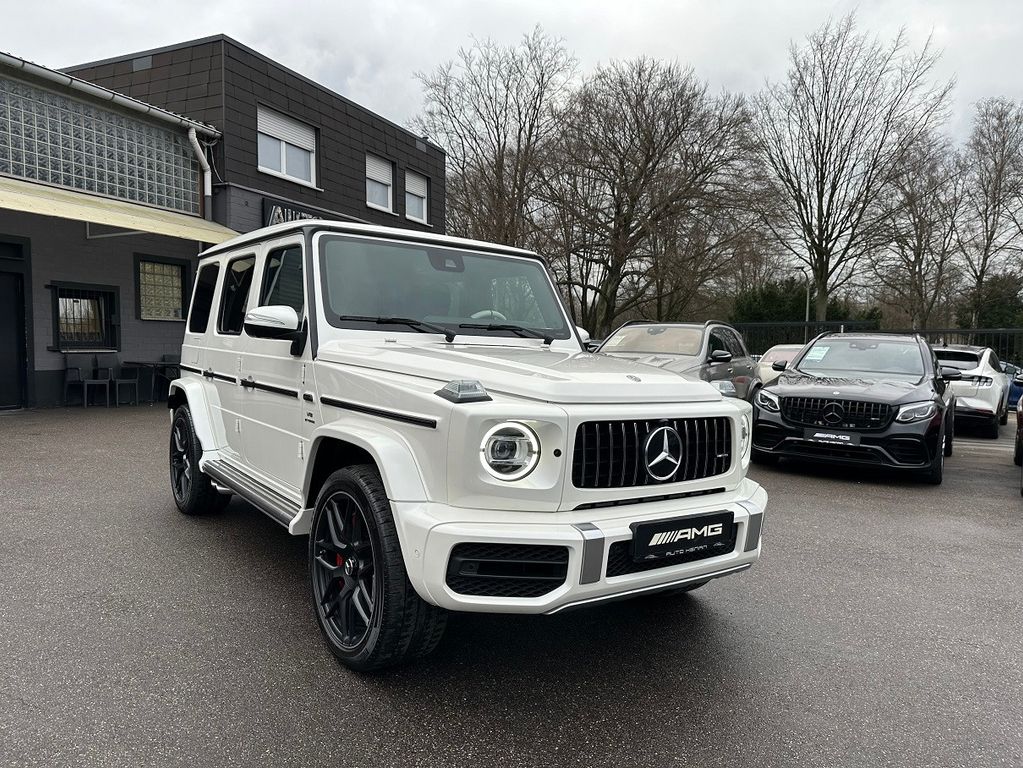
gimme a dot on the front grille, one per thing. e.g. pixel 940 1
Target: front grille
pixel 851 414
pixel 620 562
pixel 506 570
pixel 610 454
pixel 812 450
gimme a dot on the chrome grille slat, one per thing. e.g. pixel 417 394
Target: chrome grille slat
pixel 603 459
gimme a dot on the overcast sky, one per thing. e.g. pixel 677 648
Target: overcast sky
pixel 369 51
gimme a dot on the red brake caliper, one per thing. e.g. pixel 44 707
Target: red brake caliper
pixel 340 563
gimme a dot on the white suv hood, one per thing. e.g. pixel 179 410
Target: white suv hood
pixel 534 372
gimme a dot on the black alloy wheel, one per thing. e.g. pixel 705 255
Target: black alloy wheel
pixel 194 493
pixel 344 573
pixel 950 435
pixel 368 611
pixel 934 474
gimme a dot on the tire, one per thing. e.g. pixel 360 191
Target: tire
pixel 1017 453
pixel 933 475
pixel 950 436
pixel 1004 417
pixel 367 609
pixel 194 493
pixel 764 459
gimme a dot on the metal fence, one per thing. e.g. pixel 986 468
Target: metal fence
pixel 1006 342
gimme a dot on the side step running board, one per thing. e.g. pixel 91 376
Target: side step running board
pixel 266 500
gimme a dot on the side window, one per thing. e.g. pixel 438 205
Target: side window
pixel 994 361
pixel 234 296
pixel 202 302
pixel 735 345
pixel 717 342
pixel 282 279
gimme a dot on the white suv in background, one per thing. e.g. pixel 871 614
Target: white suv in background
pixel 982 394
pixel 422 407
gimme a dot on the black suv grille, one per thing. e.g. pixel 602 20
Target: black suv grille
pixel 507 570
pixel 835 414
pixel 609 454
pixel 620 562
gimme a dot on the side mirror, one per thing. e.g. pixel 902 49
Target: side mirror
pixel 779 365
pixel 276 322
pixel 719 356
pixel 584 335
pixel 950 374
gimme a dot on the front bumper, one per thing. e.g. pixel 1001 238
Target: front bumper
pixel 429 532
pixel 899 446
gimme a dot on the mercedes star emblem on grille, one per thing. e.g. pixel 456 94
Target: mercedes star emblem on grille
pixel 833 413
pixel 663 453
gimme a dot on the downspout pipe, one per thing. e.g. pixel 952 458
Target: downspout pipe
pixel 207 175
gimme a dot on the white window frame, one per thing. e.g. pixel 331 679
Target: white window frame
pixel 374 172
pixel 286 130
pixel 414 182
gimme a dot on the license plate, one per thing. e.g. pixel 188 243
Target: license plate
pixel 694 537
pixel 830 437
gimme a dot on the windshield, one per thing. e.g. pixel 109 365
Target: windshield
pixel 365 279
pixel 840 357
pixel 656 339
pixel 954 358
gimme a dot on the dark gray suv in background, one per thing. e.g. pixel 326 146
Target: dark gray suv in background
pixel 711 351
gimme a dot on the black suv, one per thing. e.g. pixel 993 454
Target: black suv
pixel 711 351
pixel 877 399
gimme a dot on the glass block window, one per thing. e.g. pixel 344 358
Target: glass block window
pixel 54 139
pixel 161 291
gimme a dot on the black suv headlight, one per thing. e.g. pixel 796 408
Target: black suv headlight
pixel 510 451
pixel 916 412
pixel 767 401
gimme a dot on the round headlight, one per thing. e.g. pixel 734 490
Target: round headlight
pixel 510 451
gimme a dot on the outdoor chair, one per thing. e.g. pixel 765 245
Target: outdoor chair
pixel 97 378
pixel 119 375
pixel 77 368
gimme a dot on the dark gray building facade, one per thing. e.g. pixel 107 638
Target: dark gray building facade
pixel 289 146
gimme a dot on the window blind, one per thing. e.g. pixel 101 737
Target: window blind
pixel 415 184
pixel 379 170
pixel 286 129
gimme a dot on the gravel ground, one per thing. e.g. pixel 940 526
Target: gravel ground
pixel 881 628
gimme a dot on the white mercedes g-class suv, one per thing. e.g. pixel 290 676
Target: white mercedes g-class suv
pixel 422 407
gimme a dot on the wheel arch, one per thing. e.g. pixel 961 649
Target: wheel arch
pixel 335 446
pixel 193 394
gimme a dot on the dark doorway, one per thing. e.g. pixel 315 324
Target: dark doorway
pixel 12 340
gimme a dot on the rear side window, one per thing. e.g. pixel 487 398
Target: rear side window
pixel 995 362
pixel 234 297
pixel 282 279
pixel 202 302
pixel 735 345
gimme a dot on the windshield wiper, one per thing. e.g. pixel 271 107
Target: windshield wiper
pixel 420 325
pixel 516 329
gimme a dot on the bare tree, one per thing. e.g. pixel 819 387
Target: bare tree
pixel 992 164
pixel 832 136
pixel 920 261
pixel 492 110
pixel 643 147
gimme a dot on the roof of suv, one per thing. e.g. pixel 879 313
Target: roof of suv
pixel 390 233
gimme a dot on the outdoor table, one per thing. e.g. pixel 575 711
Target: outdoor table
pixel 154 367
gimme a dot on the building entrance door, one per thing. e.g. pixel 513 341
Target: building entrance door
pixel 12 341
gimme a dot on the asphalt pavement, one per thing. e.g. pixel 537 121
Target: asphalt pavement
pixel 882 627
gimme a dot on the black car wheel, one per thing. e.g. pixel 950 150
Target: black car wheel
pixel 368 611
pixel 933 475
pixel 1017 454
pixel 194 493
pixel 950 433
pixel 992 430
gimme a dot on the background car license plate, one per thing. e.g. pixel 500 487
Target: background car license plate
pixel 696 537
pixel 831 437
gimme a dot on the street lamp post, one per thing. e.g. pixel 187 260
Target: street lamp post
pixel 806 316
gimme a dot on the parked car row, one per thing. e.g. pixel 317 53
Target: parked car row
pixel 867 399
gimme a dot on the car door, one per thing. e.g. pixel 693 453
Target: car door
pixel 275 382
pixel 743 368
pixel 225 350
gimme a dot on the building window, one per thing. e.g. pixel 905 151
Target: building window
pixel 286 147
pixel 416 196
pixel 379 183
pixel 53 139
pixel 161 290
pixel 84 317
